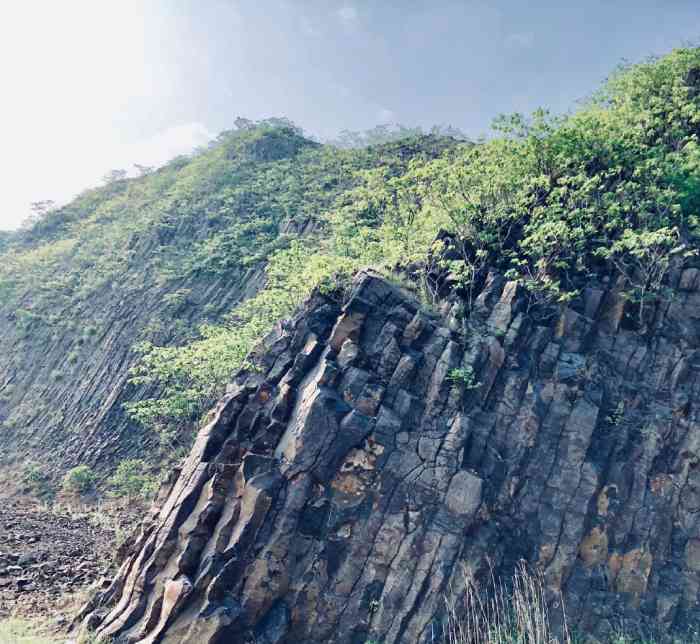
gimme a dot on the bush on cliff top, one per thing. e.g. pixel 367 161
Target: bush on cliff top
pixel 555 202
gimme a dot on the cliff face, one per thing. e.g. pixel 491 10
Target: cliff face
pixel 342 487
pixel 62 391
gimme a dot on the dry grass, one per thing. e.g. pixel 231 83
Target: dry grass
pixel 497 615
pixel 18 631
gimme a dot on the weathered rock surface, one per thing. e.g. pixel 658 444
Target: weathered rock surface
pixel 63 391
pixel 339 489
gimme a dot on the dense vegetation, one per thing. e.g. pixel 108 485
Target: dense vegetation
pixel 611 192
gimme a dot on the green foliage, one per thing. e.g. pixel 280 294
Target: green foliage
pixel 177 299
pixel 612 189
pixel 37 482
pixel 552 202
pixel 219 215
pixel 131 480
pixel 190 377
pixel 464 376
pixel 616 417
pixel 193 375
pixel 389 133
pixel 611 192
pixel 643 258
pixel 79 480
pixel 22 414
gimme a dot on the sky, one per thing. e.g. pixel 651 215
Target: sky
pixel 89 86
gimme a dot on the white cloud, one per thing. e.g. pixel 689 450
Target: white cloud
pixel 521 40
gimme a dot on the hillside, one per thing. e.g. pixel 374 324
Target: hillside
pixel 430 356
pixel 150 260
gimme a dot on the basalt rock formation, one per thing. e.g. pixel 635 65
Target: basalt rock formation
pixel 65 420
pixel 343 486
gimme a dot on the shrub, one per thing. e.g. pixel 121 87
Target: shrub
pixel 79 480
pixel 37 482
pixel 132 480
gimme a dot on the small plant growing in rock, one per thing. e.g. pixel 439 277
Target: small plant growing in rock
pixel 79 480
pixel 464 376
pixel 615 418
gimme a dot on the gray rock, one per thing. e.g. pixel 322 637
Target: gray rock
pixel 343 504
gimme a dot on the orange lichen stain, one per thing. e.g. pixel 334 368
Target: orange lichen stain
pixel 354 474
pixel 614 565
pixel 349 484
pixel 594 548
pixel 359 460
pixel 633 575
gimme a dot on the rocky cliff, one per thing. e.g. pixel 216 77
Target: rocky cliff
pixel 377 450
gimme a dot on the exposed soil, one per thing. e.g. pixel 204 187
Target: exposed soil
pixel 49 557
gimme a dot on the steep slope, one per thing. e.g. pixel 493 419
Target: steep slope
pixel 343 485
pixel 151 259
